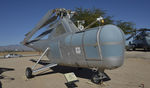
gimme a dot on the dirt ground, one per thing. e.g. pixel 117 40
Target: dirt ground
pixel 133 74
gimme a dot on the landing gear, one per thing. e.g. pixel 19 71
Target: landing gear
pixel 134 49
pixel 28 72
pixel 98 77
pixel 146 48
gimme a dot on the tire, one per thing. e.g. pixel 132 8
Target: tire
pixel 128 49
pixel 96 78
pixel 28 72
pixel 145 49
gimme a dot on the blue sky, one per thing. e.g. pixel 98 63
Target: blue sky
pixel 17 17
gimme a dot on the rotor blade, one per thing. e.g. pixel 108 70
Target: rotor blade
pixel 45 20
pixel 130 37
pixel 143 30
pixel 40 36
pixel 131 31
pixel 42 22
pixel 44 33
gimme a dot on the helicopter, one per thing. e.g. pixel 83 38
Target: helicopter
pixel 98 48
pixel 141 39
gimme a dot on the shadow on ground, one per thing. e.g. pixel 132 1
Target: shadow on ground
pixel 79 72
pixel 0 84
pixel 71 85
pixel 5 70
pixel 139 50
pixel 2 70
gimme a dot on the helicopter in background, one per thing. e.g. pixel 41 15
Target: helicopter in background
pixel 141 39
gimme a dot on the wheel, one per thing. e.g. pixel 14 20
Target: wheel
pixel 134 49
pixel 28 72
pixel 96 78
pixel 128 49
pixel 145 48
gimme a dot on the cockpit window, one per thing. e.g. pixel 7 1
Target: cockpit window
pixel 59 30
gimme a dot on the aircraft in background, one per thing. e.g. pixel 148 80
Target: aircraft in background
pixel 141 39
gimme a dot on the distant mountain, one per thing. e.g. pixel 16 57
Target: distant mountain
pixel 15 48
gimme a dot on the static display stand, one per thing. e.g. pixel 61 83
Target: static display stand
pixel 71 79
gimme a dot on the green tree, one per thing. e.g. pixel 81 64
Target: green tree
pixel 127 27
pixel 90 15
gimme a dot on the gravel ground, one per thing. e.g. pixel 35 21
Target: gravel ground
pixel 133 74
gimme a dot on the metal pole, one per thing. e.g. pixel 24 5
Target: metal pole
pixel 40 57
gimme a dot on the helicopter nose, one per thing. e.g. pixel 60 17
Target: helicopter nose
pixel 112 44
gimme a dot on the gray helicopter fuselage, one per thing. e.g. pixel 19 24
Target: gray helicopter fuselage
pixel 66 44
pixel 101 47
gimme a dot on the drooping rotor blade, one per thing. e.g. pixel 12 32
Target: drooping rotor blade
pixel 130 37
pixel 44 33
pixel 40 36
pixel 143 30
pixel 132 32
pixel 45 20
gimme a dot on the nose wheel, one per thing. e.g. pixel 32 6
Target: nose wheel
pixel 28 72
